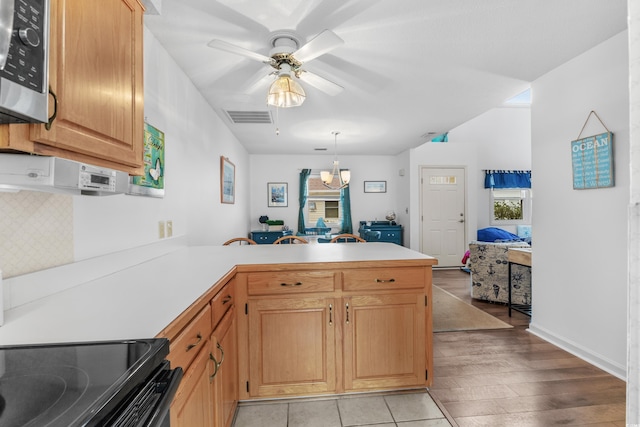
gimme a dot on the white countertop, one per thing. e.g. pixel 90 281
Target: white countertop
pixel 139 301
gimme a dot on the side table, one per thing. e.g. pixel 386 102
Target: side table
pixel 521 256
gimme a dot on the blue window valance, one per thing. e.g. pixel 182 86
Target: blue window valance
pixel 507 179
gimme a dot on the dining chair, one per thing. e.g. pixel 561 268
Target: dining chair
pixel 290 239
pixel 347 238
pixel 240 241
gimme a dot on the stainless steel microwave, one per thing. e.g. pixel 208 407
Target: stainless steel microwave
pixel 24 61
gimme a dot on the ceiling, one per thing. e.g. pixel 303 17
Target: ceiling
pixel 410 69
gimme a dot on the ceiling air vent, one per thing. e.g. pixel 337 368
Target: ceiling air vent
pixel 249 117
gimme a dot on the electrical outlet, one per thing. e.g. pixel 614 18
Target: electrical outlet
pixel 161 229
pixel 169 228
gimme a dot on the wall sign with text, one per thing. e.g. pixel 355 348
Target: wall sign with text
pixel 592 159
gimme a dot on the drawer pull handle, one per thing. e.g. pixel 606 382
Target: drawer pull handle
pixel 227 299
pixel 291 284
pixel 330 314
pixel 47 125
pixel 190 346
pixel 347 305
pixel 222 352
pixel 217 366
pixel 385 280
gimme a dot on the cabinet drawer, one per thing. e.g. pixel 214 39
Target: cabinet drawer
pixel 265 237
pixel 221 303
pixel 384 278
pixel 285 282
pixel 186 345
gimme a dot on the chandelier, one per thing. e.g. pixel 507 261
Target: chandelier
pixel 344 176
pixel 285 92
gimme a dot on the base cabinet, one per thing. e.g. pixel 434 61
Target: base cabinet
pixel 292 346
pixel 224 378
pixel 384 341
pixel 204 343
pixel 327 332
pixel 192 404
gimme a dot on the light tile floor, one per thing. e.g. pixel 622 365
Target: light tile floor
pixel 415 409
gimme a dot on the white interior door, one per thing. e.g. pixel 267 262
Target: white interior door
pixel 443 214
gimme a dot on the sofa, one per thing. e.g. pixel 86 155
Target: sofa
pixel 490 273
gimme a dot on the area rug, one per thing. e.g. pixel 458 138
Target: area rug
pixel 450 313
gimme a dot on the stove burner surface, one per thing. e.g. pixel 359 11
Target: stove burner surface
pixel 30 397
pixel 58 385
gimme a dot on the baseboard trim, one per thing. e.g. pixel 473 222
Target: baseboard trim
pixel 582 352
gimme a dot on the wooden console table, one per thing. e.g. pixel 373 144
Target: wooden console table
pixel 521 256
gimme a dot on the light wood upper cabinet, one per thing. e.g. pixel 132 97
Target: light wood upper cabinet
pixel 96 73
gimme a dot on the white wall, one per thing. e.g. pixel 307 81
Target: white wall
pixel 504 137
pixel 497 139
pixel 580 236
pixel 633 326
pixel 364 206
pixel 195 138
pixel 403 194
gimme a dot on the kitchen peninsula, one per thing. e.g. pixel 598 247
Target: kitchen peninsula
pixel 301 319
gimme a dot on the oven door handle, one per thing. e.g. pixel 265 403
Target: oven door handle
pixel 162 407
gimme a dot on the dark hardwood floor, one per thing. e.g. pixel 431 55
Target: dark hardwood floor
pixel 509 377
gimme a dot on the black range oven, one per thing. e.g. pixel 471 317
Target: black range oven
pixel 108 383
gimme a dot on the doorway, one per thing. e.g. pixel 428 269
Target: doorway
pixel 443 213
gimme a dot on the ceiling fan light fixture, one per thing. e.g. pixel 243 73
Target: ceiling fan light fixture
pixel 285 92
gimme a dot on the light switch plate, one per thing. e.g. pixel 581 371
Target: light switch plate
pixel 161 229
pixel 169 228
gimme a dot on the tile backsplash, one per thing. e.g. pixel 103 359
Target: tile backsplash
pixel 36 231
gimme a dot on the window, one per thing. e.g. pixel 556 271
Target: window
pixel 510 206
pixel 322 202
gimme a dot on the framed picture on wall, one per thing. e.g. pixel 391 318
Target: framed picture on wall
pixel 277 194
pixel 375 186
pixel 227 181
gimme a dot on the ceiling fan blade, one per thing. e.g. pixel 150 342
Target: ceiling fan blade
pixel 260 79
pixel 321 44
pixel 327 86
pixel 228 47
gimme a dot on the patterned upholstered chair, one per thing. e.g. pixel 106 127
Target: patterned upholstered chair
pixel 490 273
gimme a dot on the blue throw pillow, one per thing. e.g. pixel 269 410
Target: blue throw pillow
pixel 494 234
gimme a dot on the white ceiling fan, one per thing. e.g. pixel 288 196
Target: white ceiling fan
pixel 287 58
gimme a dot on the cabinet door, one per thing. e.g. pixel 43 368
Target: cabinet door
pixel 384 341
pixel 291 346
pixel 225 377
pixel 96 71
pixel 192 403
